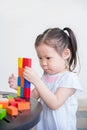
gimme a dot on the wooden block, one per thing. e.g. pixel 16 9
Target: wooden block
pixel 20 62
pixel 27 84
pixel 19 81
pixel 15 104
pixel 18 91
pixel 1 106
pixel 22 81
pixel 22 92
pixel 20 99
pixel 10 96
pixel 4 102
pixel 20 72
pixel 26 92
pixel 11 110
pixel 11 100
pixel 23 105
pixel 2 113
pixel 26 62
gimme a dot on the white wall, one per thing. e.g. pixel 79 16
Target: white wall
pixel 22 20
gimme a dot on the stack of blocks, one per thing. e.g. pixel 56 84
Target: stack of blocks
pixel 23 84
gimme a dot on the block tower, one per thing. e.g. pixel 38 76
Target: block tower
pixel 23 85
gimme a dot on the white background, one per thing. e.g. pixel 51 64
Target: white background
pixel 22 20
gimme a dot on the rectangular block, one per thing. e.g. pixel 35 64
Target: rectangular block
pixel 11 110
pixel 26 62
pixel 4 102
pixel 19 81
pixel 22 81
pixel 1 106
pixel 2 113
pixel 20 62
pixel 26 84
pixel 15 104
pixel 20 72
pixel 18 91
pixel 22 92
pixel 26 92
pixel 10 96
pixel 11 100
pixel 23 106
pixel 19 99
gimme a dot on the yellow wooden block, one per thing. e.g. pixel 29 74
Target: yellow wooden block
pixel 1 105
pixel 20 62
pixel 18 91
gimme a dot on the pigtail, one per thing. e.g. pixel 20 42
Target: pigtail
pixel 73 48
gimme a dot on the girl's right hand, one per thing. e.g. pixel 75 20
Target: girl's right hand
pixel 12 82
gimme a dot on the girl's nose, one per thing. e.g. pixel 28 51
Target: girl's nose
pixel 44 62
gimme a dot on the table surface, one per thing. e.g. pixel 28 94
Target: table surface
pixel 25 120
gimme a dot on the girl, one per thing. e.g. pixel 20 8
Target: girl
pixel 59 86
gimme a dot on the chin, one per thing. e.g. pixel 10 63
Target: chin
pixel 49 72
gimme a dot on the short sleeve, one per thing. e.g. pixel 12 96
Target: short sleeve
pixel 70 80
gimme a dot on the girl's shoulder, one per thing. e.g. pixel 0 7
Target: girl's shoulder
pixel 70 80
pixel 70 75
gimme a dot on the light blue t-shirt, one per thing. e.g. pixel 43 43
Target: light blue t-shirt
pixel 63 118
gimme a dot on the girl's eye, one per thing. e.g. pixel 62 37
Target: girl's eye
pixel 40 58
pixel 48 58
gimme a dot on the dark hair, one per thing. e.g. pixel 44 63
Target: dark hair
pixel 60 39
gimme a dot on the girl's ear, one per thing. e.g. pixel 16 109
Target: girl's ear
pixel 66 53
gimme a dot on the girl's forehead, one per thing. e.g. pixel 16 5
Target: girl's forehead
pixel 46 50
pixel 44 47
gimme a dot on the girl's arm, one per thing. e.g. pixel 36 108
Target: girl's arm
pixel 52 100
pixel 35 94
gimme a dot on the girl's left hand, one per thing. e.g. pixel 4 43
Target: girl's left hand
pixel 30 75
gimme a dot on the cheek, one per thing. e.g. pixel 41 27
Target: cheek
pixel 40 63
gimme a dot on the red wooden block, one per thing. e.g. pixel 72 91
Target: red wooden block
pixel 26 62
pixel 19 99
pixel 26 92
pixel 15 104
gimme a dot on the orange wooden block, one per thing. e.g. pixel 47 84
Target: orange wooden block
pixel 20 72
pixel 11 100
pixel 22 81
pixel 11 110
pixel 23 105
pixel 4 102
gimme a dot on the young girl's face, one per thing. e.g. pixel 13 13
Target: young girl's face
pixel 50 61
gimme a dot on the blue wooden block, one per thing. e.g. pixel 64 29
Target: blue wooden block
pixel 22 92
pixel 27 84
pixel 19 81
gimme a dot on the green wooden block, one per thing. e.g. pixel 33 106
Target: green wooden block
pixel 2 113
pixel 10 96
